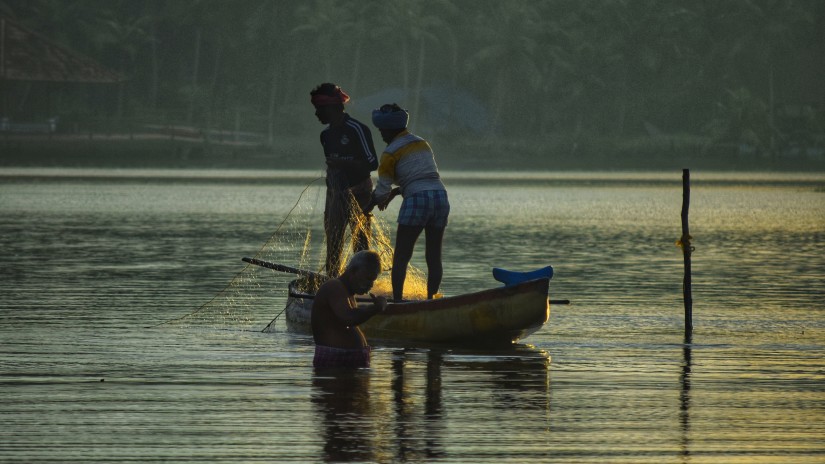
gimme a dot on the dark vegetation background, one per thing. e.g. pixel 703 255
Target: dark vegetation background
pixel 553 84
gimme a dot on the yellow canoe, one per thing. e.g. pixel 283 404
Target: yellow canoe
pixel 500 315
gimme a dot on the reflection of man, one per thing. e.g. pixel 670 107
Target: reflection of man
pixel 335 315
pixel 429 434
pixel 350 157
pixel 345 394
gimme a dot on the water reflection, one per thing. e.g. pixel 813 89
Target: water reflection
pixel 342 399
pixel 512 372
pixel 684 396
pixel 396 411
pixel 428 430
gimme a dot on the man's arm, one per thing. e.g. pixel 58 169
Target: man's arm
pixel 362 134
pixel 348 314
pixel 386 177
pixel 369 150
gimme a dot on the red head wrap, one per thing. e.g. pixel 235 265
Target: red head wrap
pixel 323 100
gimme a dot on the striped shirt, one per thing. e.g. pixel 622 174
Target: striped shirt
pixel 408 162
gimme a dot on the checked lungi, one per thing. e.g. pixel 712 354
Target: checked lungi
pixel 328 356
pixel 429 208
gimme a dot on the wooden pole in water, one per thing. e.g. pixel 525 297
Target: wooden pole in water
pixel 687 249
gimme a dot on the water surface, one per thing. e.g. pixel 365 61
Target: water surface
pixel 95 261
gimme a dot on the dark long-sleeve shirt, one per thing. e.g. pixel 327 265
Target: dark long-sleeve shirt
pixel 351 141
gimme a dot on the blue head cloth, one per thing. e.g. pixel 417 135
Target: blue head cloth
pixel 390 117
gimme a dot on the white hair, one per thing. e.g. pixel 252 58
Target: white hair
pixel 365 258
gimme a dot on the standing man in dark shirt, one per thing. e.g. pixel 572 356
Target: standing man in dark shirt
pixel 350 157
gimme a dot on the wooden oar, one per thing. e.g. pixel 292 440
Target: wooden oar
pixel 284 268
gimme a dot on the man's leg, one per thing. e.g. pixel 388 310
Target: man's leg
pixel 335 223
pixel 360 223
pixel 434 237
pixel 404 244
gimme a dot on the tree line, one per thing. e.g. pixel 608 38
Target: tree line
pixel 743 71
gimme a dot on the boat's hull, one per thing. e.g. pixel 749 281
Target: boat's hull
pixel 494 316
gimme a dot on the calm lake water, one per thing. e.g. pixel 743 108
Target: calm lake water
pixel 95 265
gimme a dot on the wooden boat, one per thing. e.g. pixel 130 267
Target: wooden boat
pixel 495 316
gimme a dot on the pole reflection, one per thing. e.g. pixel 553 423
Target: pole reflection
pixel 684 396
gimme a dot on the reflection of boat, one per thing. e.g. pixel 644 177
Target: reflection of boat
pixel 516 376
pixel 495 316
pixel 518 373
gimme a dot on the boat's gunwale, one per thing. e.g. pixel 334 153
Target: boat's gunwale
pixel 540 285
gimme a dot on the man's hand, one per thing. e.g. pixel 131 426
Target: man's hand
pixel 380 303
pixel 382 205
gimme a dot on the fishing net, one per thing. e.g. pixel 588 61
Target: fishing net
pixel 257 295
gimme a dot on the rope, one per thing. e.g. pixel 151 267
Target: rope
pixel 684 242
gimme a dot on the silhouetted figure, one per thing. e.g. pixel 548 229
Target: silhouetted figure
pixel 350 157
pixel 408 162
pixel 336 315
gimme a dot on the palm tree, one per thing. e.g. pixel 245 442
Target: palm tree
pixel 322 24
pixel 410 32
pixel 270 28
pixel 126 35
pixel 750 39
pixel 506 55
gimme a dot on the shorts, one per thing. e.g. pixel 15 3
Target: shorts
pixel 429 208
pixel 328 356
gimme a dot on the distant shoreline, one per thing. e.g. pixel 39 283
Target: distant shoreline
pixel 814 180
pixel 123 151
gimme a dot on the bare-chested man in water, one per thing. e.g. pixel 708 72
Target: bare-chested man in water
pixel 335 314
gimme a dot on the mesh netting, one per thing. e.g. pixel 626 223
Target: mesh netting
pixel 257 295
